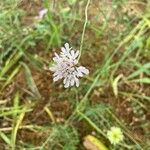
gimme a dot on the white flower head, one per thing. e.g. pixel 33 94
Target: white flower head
pixel 115 135
pixel 65 67
pixel 42 13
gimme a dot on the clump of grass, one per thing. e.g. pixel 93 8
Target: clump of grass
pixel 62 137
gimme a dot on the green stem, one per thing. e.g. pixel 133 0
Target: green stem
pixel 91 123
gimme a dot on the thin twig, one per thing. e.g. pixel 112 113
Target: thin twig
pixel 21 127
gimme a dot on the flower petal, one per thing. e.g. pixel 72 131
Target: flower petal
pixel 67 83
pixel 72 82
pixel 72 53
pixel 76 54
pixel 67 46
pixel 56 78
pixel 63 50
pixel 84 70
pixel 42 13
pixel 53 68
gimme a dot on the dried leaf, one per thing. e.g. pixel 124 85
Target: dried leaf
pixel 92 143
pixel 115 84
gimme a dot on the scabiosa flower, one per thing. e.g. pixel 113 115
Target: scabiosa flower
pixel 115 135
pixel 65 67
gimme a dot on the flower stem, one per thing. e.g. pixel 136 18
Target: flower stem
pixel 84 27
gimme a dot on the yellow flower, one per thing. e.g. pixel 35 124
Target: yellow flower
pixel 115 135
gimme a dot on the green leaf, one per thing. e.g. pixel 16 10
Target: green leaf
pixel 9 63
pixel 142 69
pixel 142 80
pixel 11 76
pixel 5 138
pixel 30 82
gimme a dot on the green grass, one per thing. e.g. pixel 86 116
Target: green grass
pixel 37 114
